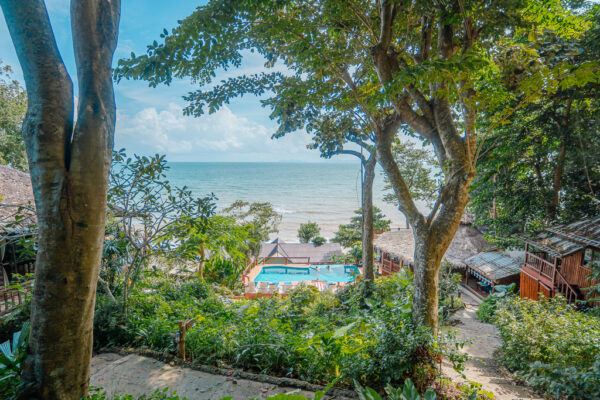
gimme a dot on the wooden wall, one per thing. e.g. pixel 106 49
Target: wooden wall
pixel 573 270
pixel 531 287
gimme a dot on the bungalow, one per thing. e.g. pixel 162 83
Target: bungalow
pixel 492 268
pixel 560 259
pixel 395 249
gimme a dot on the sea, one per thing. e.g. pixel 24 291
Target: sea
pixel 325 193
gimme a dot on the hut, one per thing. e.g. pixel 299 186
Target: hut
pixel 17 234
pixel 280 252
pixel 560 259
pixel 491 268
pixel 395 249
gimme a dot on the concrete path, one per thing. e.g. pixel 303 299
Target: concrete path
pixel 138 375
pixel 483 367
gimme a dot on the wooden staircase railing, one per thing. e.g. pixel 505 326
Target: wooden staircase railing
pixel 539 265
pixel 565 288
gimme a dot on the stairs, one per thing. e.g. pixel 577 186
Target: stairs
pixel 563 287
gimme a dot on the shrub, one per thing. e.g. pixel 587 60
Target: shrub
pixel 319 240
pixel 488 306
pixel 550 344
pixel 566 382
pixel 308 335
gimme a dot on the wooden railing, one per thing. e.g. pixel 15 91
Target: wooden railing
pixel 389 266
pixel 565 288
pixel 541 266
pixel 12 296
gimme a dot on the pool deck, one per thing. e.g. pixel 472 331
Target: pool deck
pixel 254 269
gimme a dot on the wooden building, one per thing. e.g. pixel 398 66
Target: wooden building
pixel 486 270
pixel 559 260
pixel 395 249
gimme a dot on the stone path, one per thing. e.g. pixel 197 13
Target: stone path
pixel 483 367
pixel 138 375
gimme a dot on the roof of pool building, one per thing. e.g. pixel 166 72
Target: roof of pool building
pixel 299 253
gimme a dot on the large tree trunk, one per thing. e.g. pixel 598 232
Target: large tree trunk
pixel 69 172
pixel 367 213
pixel 427 259
pixel 432 119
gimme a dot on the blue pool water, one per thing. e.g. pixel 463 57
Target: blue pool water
pixel 286 273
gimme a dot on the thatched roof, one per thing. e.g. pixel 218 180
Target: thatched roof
pixel 467 242
pixel 15 191
pixel 300 252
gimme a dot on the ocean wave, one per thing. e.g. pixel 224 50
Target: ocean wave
pixel 282 210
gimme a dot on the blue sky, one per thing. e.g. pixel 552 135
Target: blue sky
pixel 150 120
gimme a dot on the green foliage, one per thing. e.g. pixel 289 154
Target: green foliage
pixel 406 392
pixel 147 219
pixel 537 167
pixel 260 219
pixel 551 345
pixel 12 354
pixel 571 382
pixel 16 318
pixel 373 67
pixel 347 235
pixel 449 287
pixel 308 335
pixel 420 171
pixel 13 105
pixel 489 305
pixel 319 240
pixel 308 232
pixel 218 244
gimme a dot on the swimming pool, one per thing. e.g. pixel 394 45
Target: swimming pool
pixel 325 273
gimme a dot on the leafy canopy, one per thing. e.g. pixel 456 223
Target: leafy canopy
pixel 13 105
pixel 347 235
pixel 308 232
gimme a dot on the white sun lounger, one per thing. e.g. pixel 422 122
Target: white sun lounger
pixel 285 288
pixel 263 287
pixel 251 287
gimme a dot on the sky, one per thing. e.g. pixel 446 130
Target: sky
pixel 150 120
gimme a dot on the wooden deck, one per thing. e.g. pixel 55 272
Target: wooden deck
pixel 541 276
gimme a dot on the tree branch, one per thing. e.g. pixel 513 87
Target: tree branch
pixel 385 156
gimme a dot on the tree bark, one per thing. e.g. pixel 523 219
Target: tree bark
pixel 433 120
pixel 69 172
pixel 367 214
pixel 427 259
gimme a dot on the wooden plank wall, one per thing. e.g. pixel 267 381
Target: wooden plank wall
pixel 529 286
pixel 573 270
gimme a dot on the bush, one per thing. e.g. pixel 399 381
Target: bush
pixel 570 382
pixel 488 306
pixel 549 341
pixel 319 240
pixel 308 335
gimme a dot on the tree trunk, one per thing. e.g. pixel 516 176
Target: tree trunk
pixel 367 213
pixel 69 172
pixel 427 260
pixel 201 264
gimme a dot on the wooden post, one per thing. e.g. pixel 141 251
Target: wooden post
pixel 183 326
pixel 554 272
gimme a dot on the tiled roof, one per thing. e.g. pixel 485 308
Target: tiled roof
pixel 300 252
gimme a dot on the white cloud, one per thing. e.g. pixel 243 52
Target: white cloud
pixel 222 135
